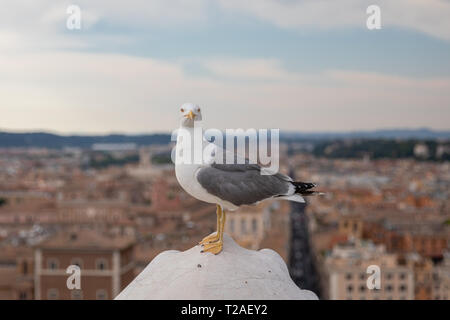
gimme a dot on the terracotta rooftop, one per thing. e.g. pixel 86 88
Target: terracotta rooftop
pixel 85 239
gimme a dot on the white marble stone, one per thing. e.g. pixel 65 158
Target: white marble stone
pixel 235 273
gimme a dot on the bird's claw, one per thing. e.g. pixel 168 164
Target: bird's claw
pixel 208 239
pixel 214 247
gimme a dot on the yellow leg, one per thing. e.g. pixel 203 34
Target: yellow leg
pixel 215 236
pixel 216 247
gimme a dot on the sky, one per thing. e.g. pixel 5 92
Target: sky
pixel 306 65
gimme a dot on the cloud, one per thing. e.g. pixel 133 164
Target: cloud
pixel 86 92
pixel 426 16
pixel 48 14
pixel 47 82
pixel 248 69
pixel 41 24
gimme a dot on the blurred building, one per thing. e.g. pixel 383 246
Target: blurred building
pixel 16 273
pixel 430 239
pixel 441 279
pixel 166 195
pixel 249 225
pixel 421 150
pixel 423 269
pixel 106 264
pixel 347 275
pixel 351 225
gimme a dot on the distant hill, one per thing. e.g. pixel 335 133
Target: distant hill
pixel 54 141
pixel 419 134
pixel 433 150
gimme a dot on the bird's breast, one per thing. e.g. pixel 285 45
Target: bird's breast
pixel 186 177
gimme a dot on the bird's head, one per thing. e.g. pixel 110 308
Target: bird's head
pixel 189 113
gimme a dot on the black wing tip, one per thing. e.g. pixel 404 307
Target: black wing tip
pixel 302 187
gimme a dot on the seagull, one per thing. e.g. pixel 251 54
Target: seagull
pixel 229 186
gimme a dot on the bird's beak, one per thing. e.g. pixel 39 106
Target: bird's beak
pixel 190 115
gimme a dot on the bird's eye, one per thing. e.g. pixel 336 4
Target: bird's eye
pixel 182 110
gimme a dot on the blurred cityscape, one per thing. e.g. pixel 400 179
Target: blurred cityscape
pixel 111 208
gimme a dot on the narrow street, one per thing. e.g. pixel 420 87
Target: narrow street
pixel 301 261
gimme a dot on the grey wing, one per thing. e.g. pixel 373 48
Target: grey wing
pixel 242 183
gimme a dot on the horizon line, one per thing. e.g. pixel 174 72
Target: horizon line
pixel 59 133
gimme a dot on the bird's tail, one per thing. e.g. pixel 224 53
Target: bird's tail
pixel 302 188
